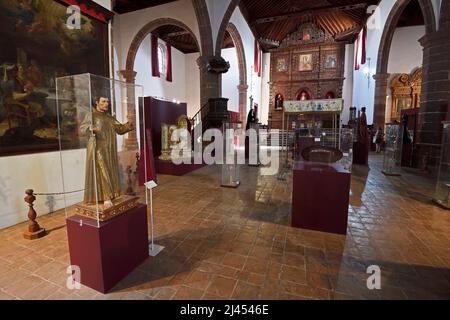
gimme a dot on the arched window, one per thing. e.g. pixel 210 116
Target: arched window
pixel 162 63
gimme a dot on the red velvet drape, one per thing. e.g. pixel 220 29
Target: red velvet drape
pixel 257 59
pixel 155 64
pixel 169 62
pixel 360 56
pixel 364 38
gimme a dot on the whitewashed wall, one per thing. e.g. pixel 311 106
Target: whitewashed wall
pixel 253 81
pixel 265 90
pixel 230 80
pixel 192 81
pixel 159 86
pixel 347 90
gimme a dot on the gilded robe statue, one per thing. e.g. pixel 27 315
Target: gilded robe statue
pixel 102 128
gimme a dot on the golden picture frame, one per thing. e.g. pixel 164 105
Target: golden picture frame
pixel 305 62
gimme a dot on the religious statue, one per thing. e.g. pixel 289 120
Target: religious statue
pixel 362 126
pixel 175 142
pixel 361 153
pixel 251 118
pixel 102 184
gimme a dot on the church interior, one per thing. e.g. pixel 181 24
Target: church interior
pixel 224 149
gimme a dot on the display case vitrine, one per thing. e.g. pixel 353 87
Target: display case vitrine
pixel 100 145
pixel 232 132
pixel 442 193
pixel 393 149
pixel 339 142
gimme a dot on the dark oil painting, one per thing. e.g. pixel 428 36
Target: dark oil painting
pixel 36 47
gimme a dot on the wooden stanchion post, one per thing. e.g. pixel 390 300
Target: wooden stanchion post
pixel 34 230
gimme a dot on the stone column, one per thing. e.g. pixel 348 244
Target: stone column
pixel 243 88
pixel 210 83
pixel 381 86
pixel 129 76
pixel 435 96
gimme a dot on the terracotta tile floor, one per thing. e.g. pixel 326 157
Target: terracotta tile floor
pixel 225 243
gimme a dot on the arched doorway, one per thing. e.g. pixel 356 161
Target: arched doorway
pixel 231 39
pixel 176 34
pixel 145 31
pixel 382 76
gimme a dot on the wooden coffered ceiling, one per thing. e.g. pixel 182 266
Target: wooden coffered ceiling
pixel 178 38
pixel 272 20
pixel 124 6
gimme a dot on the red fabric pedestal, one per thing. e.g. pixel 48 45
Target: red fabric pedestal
pixel 320 197
pixel 107 254
pixel 361 153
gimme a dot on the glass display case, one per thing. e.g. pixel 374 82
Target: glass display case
pixel 253 154
pixel 393 149
pixel 232 132
pixel 346 147
pixel 100 145
pixel 442 193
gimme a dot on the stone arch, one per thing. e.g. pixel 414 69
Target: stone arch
pixel 242 65
pixel 308 91
pixel 145 30
pixel 224 25
pixel 381 76
pixel 204 25
pixel 444 16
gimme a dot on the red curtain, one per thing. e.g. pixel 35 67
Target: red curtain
pixel 155 64
pixel 169 62
pixel 360 57
pixel 257 59
pixel 364 38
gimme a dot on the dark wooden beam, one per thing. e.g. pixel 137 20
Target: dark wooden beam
pixel 315 11
pixel 348 33
pixel 269 42
pixel 177 34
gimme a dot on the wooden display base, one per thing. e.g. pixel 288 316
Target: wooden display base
pixel 441 204
pixel 120 205
pixel 320 197
pixel 34 235
pixel 390 174
pixel 235 185
pixel 107 252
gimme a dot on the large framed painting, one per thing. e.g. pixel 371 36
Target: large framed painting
pixel 305 62
pixel 39 43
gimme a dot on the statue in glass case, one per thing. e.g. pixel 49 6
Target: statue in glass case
pixel 102 182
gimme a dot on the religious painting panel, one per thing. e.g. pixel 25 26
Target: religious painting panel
pixel 39 42
pixel 305 62
pixel 330 61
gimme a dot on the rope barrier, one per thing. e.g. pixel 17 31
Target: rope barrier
pixel 55 193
